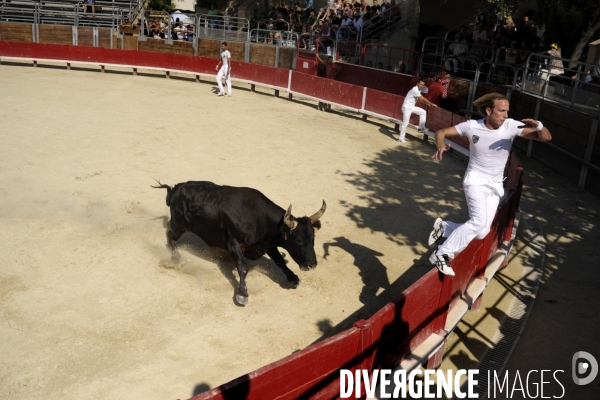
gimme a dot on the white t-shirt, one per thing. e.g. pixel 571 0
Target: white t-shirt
pixel 489 148
pixel 225 56
pixel 411 98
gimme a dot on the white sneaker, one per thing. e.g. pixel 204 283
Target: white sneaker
pixel 229 95
pixel 437 233
pixel 442 263
pixel 421 130
pixel 401 140
pixel 221 94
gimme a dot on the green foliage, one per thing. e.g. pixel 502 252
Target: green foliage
pixel 585 7
pixel 503 7
pixel 161 5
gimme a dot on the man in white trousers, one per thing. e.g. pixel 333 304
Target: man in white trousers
pixel 409 107
pixel 490 142
pixel 225 70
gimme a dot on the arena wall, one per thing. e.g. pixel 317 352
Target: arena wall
pixel 408 331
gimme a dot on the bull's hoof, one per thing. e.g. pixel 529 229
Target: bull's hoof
pixel 241 300
pixel 295 283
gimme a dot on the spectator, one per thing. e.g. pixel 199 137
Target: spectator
pixel 555 66
pixel 346 21
pixel 180 30
pixel 459 48
pixel 509 25
pixel 511 56
pixel 480 34
pixel 477 53
pixel 482 19
pixel 337 5
pixel 214 12
pixel 385 5
pixel 379 65
pixel 89 3
pixel 444 81
pixel 409 107
pixel 496 55
pixel 358 22
pixel 189 36
pixel 395 13
pixel 326 31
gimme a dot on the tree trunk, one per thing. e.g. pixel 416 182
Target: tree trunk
pixel 586 35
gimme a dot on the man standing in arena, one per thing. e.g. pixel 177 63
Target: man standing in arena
pixel 225 70
pixel 409 107
pixel 490 141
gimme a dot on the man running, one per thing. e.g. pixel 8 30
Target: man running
pixel 490 142
pixel 409 107
pixel 225 64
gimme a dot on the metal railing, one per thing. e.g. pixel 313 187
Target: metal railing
pixel 576 88
pixel 395 59
pixel 223 27
pixel 27 11
pixel 267 22
pixel 277 38
pixel 385 24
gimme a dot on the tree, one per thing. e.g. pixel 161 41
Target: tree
pixel 161 5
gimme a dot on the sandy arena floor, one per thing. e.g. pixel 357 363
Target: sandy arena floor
pixel 90 306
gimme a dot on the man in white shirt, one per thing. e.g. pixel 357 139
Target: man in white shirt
pixel 490 142
pixel 225 64
pixel 409 107
pixel 180 29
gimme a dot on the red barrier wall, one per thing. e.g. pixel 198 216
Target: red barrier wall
pixel 309 85
pixel 342 93
pixel 377 79
pixel 383 103
pixel 394 331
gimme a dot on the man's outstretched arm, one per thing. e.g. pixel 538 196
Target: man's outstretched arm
pixel 439 141
pixel 535 130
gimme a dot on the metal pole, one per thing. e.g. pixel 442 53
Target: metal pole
pixel 536 115
pixel 588 153
pixel 576 85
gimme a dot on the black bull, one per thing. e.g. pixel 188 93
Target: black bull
pixel 243 221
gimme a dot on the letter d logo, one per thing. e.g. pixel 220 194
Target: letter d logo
pixel 583 367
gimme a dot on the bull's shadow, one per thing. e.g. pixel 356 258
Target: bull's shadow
pixel 225 261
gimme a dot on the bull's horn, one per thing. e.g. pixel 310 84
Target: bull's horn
pixel 319 213
pixel 288 219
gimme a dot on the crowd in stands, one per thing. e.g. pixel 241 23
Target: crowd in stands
pixel 508 47
pixel 340 19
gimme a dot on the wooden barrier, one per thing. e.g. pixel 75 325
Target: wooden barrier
pixel 160 45
pixel 85 36
pixel 104 38
pixel 286 57
pixel 55 34
pixel 16 31
pixel 209 48
pixel 237 50
pixel 262 54
pixel 130 43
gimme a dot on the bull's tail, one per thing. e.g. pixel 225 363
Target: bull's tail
pixel 161 186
